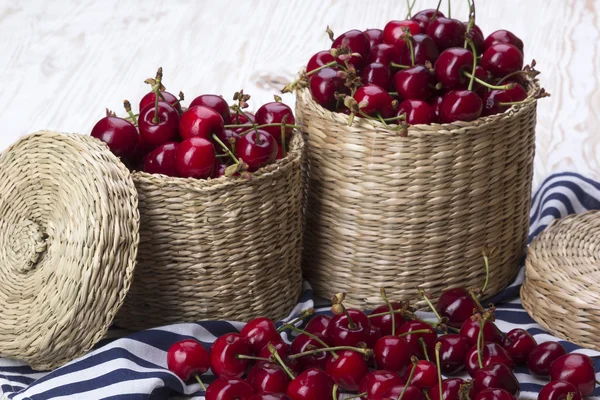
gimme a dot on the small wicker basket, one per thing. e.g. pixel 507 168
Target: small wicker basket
pixel 384 210
pixel 562 285
pixel 218 249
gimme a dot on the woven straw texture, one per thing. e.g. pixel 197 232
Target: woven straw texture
pixel 225 248
pixel 384 210
pixel 562 285
pixel 68 242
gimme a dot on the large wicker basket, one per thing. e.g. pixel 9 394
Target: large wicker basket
pixel 383 210
pixel 217 249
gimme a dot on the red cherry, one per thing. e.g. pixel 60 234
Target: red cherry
pixel 495 394
pixel 424 377
pixel 229 389
pixel 219 170
pixel 163 131
pixel 268 378
pixel 383 54
pixel 519 343
pixel 424 48
pixel 140 151
pixel 415 83
pixel 492 353
pixel 413 338
pixel 446 32
pixel 195 158
pixel 394 393
pixel 259 332
pixel 200 121
pixel 284 351
pixel 187 358
pixel 377 383
pixel 496 376
pixel 460 105
pixel 450 390
pixel 503 36
pixel 424 17
pixel 493 98
pixel 240 119
pixel 478 88
pixel 375 36
pixel 273 113
pixel 394 31
pixel 224 353
pixel 374 336
pixel 318 324
pixel 502 59
pixel 452 353
pixel 347 370
pixel 341 332
pixel 226 136
pixel 162 160
pixel 257 149
pixel 358 43
pixel 456 305
pixel 119 134
pixel 450 67
pixel 215 102
pixel 323 86
pixel 150 98
pixel 476 36
pixel 559 390
pixel 417 112
pixel 435 103
pixel 319 59
pixel 384 322
pixel 377 74
pixel 374 100
pixel 577 369
pixel 312 384
pixel 393 353
pixel 269 396
pixel 304 343
pixel 470 331
pixel 542 356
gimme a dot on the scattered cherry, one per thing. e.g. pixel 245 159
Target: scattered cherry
pixel 470 331
pixel 496 376
pixel 542 356
pixel 491 353
pixel 318 324
pixel 424 377
pixel 394 393
pixel 519 344
pixel 347 370
pixel 377 383
pixel 429 338
pixel 494 394
pixel 229 389
pixel 450 390
pixel 393 353
pixel 559 390
pixel 384 322
pixel 187 358
pixel 224 360
pixel 453 351
pixel 456 305
pixel 259 332
pixel 312 384
pixel 577 369
pixel 304 343
pixel 267 377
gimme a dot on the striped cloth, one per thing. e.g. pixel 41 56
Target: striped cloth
pixel 134 367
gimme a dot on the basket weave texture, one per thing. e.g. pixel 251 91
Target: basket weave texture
pixel 68 241
pixel 225 248
pixel 384 210
pixel 562 285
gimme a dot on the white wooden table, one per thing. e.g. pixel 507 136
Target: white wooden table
pixel 63 62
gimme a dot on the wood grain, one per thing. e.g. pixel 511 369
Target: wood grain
pixel 63 62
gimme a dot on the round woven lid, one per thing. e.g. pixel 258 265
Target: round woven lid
pixel 562 286
pixel 68 241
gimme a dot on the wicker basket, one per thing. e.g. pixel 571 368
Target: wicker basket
pixel 562 285
pixel 218 249
pixel 384 210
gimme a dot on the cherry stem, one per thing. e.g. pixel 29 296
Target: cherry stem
pixel 570 395
pixel 245 357
pixel 310 335
pixel 471 22
pixel 437 9
pixel 256 127
pixel 414 332
pixel 415 362
pixel 422 342
pixel 514 103
pixel 449 16
pixel 127 106
pixel 225 148
pixel 424 296
pixel 239 111
pixel 426 394
pixel 200 382
pixel 477 302
pixel 157 95
pixel 351 324
pixel 357 396
pixel 273 351
pixel 487 85
pixel 411 47
pixel 303 315
pixel 334 392
pixel 486 261
pixel 393 64
pixel 474 50
pixel 438 347
pixel 380 118
pixel 505 78
pixel 283 149
pixel 387 302
pixel 410 8
pixel 366 352
pixel 480 342
pixel 403 312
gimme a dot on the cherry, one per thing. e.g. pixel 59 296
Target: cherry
pixel 226 136
pixel 348 332
pixel 577 369
pixel 347 370
pixel 492 353
pixel 435 103
pixel 267 378
pixel 476 36
pixel 140 151
pixel 304 343
pixel 284 351
pixel 119 134
pixel 257 148
pixel 269 396
pixel 494 394
pixel 559 390
pixel 383 54
pixel 412 339
pixel 273 113
pixel 450 67
pixel 450 390
pixel 456 305
pixel 496 376
pixel 519 344
pixel 163 131
pixel 200 121
pixel 503 36
pixel 480 73
pixel 384 322
pixel 394 31
pixel 424 49
pixel 501 59
pixel 242 119
pixel 493 98
pixel 374 100
pixel 424 17
pixel 229 389
pixel 195 158
pixel 215 102
pixel 219 170
pixel 452 353
pixel 150 98
pixel 393 353
pixel 224 360
pixel 162 160
pixel 375 37
pixel 323 86
pixel 319 59
pixel 542 356
pixel 417 112
pixel 318 324
pixel 377 383
pixel 377 74
pixel 446 32
pixel 460 105
pixel 414 83
pixel 259 332
pixel 394 393
pixel 358 43
pixel 424 377
pixel 187 358
pixel 470 331
pixel 312 384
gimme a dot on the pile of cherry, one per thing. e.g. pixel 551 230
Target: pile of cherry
pixel 421 70
pixel 207 140
pixel 388 354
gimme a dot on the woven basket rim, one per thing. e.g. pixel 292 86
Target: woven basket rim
pixel 457 127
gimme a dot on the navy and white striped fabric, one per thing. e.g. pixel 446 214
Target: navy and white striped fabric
pixel 134 367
